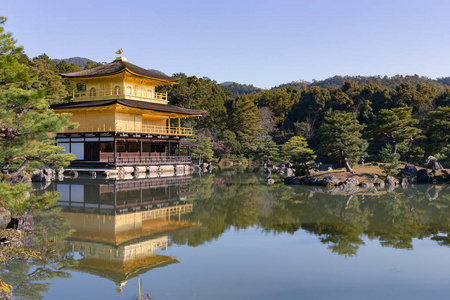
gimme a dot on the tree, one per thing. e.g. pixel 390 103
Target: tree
pixel 27 124
pixel 244 122
pixel 296 151
pixel 279 102
pixel 204 151
pixel 341 136
pixel 439 129
pixel 395 126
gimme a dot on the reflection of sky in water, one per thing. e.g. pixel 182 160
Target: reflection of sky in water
pixel 249 264
pixel 230 262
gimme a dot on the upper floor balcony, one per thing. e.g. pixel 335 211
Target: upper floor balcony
pixel 131 128
pixel 106 94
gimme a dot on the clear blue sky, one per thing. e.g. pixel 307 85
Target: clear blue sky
pixel 264 43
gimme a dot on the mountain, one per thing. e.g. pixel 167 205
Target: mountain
pixel 240 89
pixel 79 61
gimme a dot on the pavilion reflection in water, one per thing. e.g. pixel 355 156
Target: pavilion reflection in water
pixel 120 224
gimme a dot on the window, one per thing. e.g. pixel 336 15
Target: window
pixel 146 147
pixel 92 92
pixel 121 147
pixel 149 93
pixel 129 90
pixel 160 148
pixel 106 147
pixel 117 90
pixel 133 147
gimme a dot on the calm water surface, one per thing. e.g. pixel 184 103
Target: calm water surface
pixel 227 235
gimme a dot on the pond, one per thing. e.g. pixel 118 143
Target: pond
pixel 228 235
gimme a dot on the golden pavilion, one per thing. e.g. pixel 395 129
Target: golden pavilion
pixel 122 120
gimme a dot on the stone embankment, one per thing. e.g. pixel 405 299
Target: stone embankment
pixel 410 174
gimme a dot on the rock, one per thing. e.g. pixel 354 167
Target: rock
pixel 375 164
pixel 366 185
pixel 432 193
pixel 19 179
pixel 288 180
pixel 326 167
pixel 314 181
pixel 351 182
pixel 430 159
pixel 424 175
pixel 390 188
pixel 289 172
pixel 5 218
pixel 41 176
pixel 404 182
pixel 229 163
pixel 330 180
pixel 373 178
pixel 446 175
pixel 60 174
pixel 434 165
pixel 409 168
pixel 49 172
pixel 373 190
pixel 379 184
pixel 270 181
pixel 350 185
pixel 24 223
pixel 391 181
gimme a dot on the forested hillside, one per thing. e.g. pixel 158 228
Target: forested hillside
pixel 240 89
pixel 79 61
pixel 439 84
pixel 245 121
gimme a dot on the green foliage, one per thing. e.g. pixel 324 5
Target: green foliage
pixel 439 132
pixel 18 198
pixel 47 79
pixel 296 151
pixel 27 125
pixel 341 137
pixel 395 126
pixel 203 151
pixel 267 149
pixel 244 121
pixel 279 102
pixel 392 165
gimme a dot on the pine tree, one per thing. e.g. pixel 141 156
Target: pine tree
pixel 204 151
pixel 439 129
pixel 296 150
pixel 341 137
pixel 27 125
pixel 395 126
pixel 244 122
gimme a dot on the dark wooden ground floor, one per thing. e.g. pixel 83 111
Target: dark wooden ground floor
pixel 119 149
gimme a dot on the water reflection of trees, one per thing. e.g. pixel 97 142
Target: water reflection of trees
pixel 29 278
pixel 241 200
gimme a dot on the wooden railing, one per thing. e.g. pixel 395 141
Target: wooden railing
pixel 111 93
pixel 151 129
pixel 149 160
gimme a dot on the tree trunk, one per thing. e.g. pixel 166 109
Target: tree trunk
pixel 347 165
pixel 306 168
pixel 20 169
pixel 409 151
pixel 394 148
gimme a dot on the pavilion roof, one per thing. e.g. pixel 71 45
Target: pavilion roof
pixel 130 103
pixel 116 67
